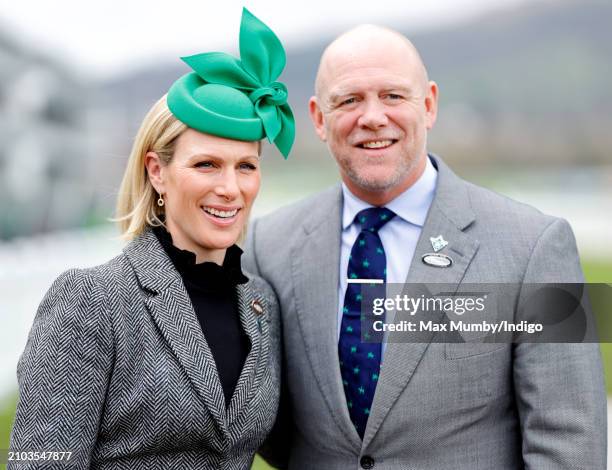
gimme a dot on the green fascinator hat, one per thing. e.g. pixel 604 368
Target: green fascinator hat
pixel 238 98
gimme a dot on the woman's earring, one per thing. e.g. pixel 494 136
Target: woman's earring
pixel 160 201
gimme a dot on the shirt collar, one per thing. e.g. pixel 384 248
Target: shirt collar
pixel 412 205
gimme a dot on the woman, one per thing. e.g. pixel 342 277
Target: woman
pixel 168 355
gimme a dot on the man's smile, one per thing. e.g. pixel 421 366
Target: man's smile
pixel 377 144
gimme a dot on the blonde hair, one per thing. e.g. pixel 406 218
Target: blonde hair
pixel 137 200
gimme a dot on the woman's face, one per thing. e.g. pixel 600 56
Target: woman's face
pixel 208 188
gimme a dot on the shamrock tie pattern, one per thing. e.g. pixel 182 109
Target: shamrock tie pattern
pixel 360 362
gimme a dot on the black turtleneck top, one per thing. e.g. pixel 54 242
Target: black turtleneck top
pixel 212 290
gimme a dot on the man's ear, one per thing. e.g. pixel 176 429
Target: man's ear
pixel 316 116
pixel 431 104
pixel 154 167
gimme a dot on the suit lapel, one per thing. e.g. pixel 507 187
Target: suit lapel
pixel 315 271
pixel 256 327
pixel 170 308
pixel 449 215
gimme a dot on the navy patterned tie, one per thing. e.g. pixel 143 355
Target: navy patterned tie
pixel 360 362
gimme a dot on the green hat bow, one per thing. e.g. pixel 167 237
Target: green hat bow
pixel 238 98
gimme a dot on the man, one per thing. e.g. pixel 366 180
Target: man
pixel 419 405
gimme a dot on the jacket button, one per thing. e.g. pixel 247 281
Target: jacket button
pixel 367 462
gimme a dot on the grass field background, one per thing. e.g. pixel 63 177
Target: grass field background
pixel 594 272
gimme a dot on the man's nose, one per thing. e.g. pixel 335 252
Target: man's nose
pixel 227 186
pixel 374 115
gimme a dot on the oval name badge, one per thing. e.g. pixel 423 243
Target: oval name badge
pixel 437 260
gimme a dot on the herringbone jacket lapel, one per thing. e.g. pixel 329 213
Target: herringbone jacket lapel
pixel 256 326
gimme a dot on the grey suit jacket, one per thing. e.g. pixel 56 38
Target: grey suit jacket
pixel 437 406
pixel 117 370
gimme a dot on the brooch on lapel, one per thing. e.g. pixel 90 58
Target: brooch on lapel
pixel 259 310
pixel 438 243
pixel 257 307
pixel 435 259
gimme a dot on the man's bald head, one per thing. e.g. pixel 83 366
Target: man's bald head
pixel 371 40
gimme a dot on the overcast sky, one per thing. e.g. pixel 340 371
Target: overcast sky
pixel 104 37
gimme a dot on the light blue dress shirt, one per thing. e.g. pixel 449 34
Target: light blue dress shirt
pixel 398 236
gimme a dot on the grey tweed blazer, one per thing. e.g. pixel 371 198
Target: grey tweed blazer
pixel 471 406
pixel 117 370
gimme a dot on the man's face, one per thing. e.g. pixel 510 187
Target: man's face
pixel 374 110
